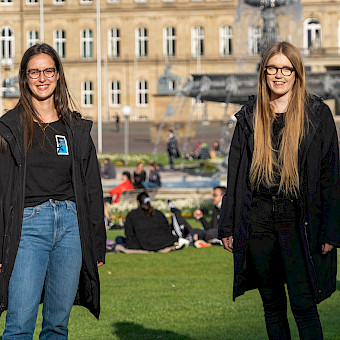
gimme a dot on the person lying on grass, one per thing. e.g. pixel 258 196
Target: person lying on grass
pixel 200 237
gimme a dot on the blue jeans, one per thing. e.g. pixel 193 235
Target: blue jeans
pixel 149 185
pixel 49 259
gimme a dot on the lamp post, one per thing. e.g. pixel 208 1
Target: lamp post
pixel 126 110
pixel 99 81
pixel 42 23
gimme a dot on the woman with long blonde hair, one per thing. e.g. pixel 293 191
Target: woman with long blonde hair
pixel 280 215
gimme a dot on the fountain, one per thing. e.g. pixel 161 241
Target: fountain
pixel 268 14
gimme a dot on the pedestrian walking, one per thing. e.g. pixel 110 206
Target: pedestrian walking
pixel 51 206
pixel 172 148
pixel 117 120
pixel 280 215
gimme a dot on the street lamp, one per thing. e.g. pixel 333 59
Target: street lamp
pixel 126 110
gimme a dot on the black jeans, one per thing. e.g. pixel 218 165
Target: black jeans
pixel 276 256
pixel 171 161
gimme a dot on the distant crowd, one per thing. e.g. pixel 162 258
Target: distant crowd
pixel 147 229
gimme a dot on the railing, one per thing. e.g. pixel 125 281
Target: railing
pixel 321 51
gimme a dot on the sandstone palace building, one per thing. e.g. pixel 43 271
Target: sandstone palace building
pixel 140 39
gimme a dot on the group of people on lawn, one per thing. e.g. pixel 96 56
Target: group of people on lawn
pixel 147 228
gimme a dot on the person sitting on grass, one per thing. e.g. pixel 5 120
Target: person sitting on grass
pixel 211 228
pixel 126 185
pixel 147 228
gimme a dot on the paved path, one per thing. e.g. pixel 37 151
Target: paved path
pixel 139 137
pixel 140 142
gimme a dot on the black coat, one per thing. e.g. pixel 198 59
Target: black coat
pixel 213 224
pixel 89 201
pixel 172 147
pixel 318 204
pixel 148 232
pixel 138 179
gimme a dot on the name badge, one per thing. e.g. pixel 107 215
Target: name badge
pixel 62 148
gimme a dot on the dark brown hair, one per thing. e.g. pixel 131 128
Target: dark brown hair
pixel 62 97
pixel 144 202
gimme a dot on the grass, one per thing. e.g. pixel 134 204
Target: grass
pixel 180 295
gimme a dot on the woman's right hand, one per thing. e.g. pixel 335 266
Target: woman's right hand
pixel 0 267
pixel 228 243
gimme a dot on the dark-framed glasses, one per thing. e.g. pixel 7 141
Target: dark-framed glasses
pixel 285 71
pixel 35 74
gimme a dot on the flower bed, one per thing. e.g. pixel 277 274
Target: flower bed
pixel 119 211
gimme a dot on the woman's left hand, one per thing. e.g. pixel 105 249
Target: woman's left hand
pixel 326 247
pixel 99 264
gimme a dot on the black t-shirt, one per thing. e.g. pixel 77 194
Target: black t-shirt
pixel 49 166
pixel 277 126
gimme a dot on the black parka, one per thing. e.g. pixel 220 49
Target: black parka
pixel 148 232
pixel 89 201
pixel 318 202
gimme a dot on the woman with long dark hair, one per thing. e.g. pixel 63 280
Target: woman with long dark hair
pixel 280 215
pixel 147 228
pixel 52 234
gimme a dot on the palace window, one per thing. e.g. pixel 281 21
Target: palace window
pixel 6 2
pixel 141 42
pixel 114 93
pixel 254 38
pixel 142 92
pixel 6 45
pixel 31 2
pixel 59 40
pixel 311 34
pixel 169 41
pixel 114 43
pixel 197 41
pixel 86 44
pixel 226 40
pixel 58 2
pixel 87 93
pixel 32 38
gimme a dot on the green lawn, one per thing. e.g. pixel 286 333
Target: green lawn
pixel 180 295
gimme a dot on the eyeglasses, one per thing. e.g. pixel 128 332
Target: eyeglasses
pixel 35 74
pixel 285 71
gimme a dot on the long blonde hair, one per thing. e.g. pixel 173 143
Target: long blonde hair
pixel 268 163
